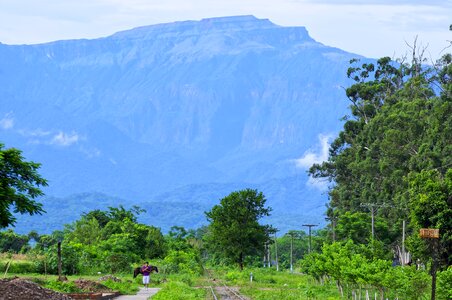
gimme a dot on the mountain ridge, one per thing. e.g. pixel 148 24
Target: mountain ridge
pixel 138 118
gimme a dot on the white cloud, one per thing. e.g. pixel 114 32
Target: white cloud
pixel 65 139
pixel 7 122
pixel 34 132
pixel 90 152
pixel 310 157
pixel 318 183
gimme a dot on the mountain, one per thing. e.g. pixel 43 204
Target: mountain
pixel 183 112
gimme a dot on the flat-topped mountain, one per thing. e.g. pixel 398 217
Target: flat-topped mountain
pixel 159 113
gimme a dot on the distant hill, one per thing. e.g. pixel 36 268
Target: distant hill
pixel 182 113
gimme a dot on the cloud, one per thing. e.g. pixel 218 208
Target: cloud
pixel 33 133
pixel 310 157
pixel 7 122
pixel 318 183
pixel 65 139
pixel 440 3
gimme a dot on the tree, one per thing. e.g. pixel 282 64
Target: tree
pixel 234 227
pixel 399 124
pixel 431 203
pixel 12 242
pixel 20 184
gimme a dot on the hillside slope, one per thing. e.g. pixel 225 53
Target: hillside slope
pixel 184 106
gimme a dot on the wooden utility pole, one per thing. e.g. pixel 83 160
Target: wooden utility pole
pixel 291 252
pixel 310 226
pixel 333 220
pixel 60 277
pixel 373 207
pixel 276 253
pixel 432 235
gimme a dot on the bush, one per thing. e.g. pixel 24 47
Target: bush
pixel 185 262
pixel 18 266
pixel 444 286
pixel 124 287
pixel 179 291
pixel 62 286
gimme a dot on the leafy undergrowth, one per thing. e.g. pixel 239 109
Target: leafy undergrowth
pixel 124 287
pixel 270 284
pixel 176 290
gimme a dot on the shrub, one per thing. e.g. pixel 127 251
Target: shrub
pixel 62 286
pixel 444 286
pixel 179 291
pixel 18 266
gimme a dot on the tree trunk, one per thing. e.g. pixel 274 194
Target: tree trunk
pixel 241 261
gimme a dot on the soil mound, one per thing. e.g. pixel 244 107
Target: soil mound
pixel 17 288
pixel 91 286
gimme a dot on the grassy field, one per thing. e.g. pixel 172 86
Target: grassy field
pixel 266 284
pixel 272 284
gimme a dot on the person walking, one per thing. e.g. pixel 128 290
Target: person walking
pixel 146 271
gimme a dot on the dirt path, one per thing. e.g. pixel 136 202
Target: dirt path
pixel 143 294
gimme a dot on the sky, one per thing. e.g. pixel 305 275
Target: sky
pixel 372 28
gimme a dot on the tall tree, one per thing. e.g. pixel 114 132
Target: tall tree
pixel 234 227
pixel 20 185
pixel 400 124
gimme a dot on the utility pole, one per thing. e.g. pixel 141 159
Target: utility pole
pixel 291 251
pixel 373 207
pixel 60 277
pixel 276 253
pixel 310 226
pixel 403 243
pixel 269 261
pixel 333 220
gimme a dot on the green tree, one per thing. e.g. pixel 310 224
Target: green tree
pixel 12 242
pixel 20 185
pixel 234 227
pixel 400 124
pixel 431 203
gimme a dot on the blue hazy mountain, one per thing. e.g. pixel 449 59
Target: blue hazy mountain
pixel 174 115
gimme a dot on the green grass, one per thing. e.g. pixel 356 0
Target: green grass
pixel 267 284
pixel 270 284
pixel 176 290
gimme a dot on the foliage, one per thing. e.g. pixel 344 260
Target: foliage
pixel 179 291
pixel 270 284
pixel 182 262
pixel 18 266
pixel 124 287
pixel 400 125
pixel 62 286
pixel 352 267
pixel 12 242
pixel 234 230
pixel 431 203
pixel 103 241
pixel 300 247
pixel 20 185
pixel 444 290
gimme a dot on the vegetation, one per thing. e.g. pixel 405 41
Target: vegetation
pixel 393 157
pixel 20 184
pixel 234 230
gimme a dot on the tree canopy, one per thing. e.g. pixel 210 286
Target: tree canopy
pixel 234 230
pixel 400 125
pixel 20 185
